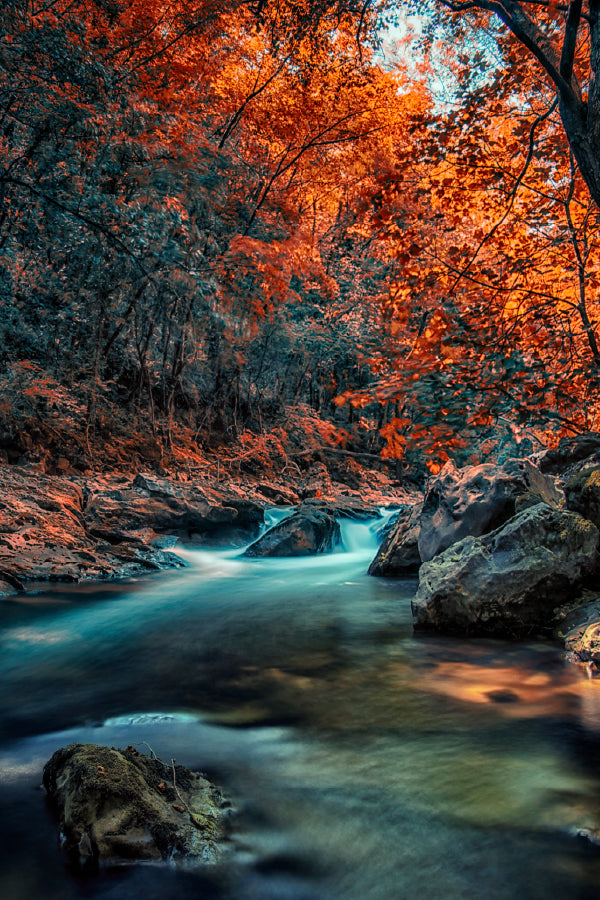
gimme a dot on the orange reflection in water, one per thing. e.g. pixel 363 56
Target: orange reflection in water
pixel 518 691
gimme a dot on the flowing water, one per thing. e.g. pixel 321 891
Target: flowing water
pixel 363 762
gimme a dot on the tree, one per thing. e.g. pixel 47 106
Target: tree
pixel 493 316
pixel 174 177
pixel 565 41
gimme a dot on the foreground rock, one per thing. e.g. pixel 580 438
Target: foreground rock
pixel 508 582
pixel 478 499
pixel 44 537
pixel 121 805
pixel 303 533
pixel 399 552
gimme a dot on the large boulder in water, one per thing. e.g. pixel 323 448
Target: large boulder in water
pixel 508 582
pixel 477 499
pixel 399 551
pixel 302 534
pixel 121 805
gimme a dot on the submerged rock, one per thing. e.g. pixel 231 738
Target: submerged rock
pixel 478 499
pixel 301 534
pixel 508 582
pixel 399 552
pixel 121 805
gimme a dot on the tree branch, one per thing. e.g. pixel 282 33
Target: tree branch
pixel 567 57
pixel 95 226
pixel 512 196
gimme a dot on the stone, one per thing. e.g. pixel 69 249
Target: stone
pixel 121 805
pixel 7 589
pixel 477 499
pixel 341 507
pixel 508 582
pixel 301 534
pixel 586 645
pixel 150 505
pixel 277 493
pixel 43 535
pixel 399 552
pixel 578 626
pixel 582 494
pixel 571 452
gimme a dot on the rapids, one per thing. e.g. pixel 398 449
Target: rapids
pixel 364 762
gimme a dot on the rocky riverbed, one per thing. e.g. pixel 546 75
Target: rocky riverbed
pixel 72 529
pixel 508 549
pixel 505 550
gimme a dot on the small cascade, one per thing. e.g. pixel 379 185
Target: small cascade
pixel 366 535
pixel 357 536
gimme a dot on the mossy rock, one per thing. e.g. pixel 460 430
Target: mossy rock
pixel 582 494
pixel 116 805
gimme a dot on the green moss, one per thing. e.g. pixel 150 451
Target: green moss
pixel 587 478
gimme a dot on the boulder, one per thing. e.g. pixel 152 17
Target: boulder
pixel 43 535
pixel 508 582
pixel 582 494
pixel 570 454
pixel 342 507
pixel 302 534
pixel 477 499
pixel 116 805
pixel 399 552
pixel 149 505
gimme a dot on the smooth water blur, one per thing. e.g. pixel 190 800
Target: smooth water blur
pixel 364 762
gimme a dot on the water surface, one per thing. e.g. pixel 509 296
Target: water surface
pixel 364 762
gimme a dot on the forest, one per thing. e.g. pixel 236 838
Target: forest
pixel 356 227
pixel 299 449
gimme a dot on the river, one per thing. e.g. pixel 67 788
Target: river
pixel 363 762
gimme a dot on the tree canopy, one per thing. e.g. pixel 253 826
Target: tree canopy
pixel 213 213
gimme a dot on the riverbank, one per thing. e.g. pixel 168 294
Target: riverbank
pixel 505 550
pixel 101 526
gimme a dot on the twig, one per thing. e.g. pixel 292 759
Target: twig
pixel 152 753
pixel 196 820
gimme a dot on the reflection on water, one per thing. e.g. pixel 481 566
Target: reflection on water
pixel 364 762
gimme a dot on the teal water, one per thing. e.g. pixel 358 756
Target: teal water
pixel 363 762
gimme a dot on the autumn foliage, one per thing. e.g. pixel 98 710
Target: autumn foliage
pixel 212 212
